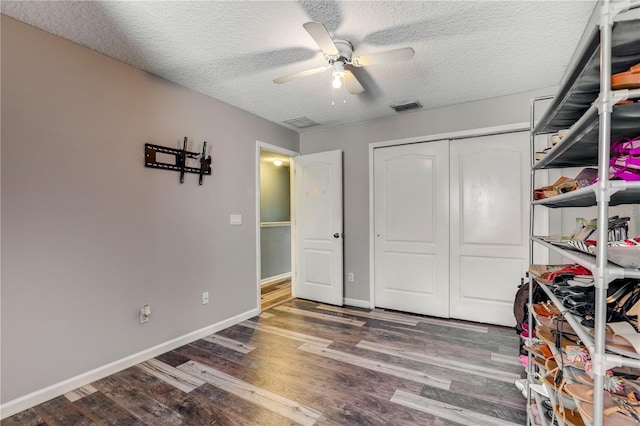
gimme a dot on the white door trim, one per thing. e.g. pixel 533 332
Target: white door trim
pixel 283 151
pixel 509 128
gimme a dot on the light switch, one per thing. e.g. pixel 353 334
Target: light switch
pixel 235 219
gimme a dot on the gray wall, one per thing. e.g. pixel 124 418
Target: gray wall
pixel 275 206
pixel 354 140
pixel 275 251
pixel 89 235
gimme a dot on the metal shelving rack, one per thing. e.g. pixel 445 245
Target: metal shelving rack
pixel 586 103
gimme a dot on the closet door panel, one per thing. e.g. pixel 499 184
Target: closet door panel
pixel 489 214
pixel 472 267
pixel 489 246
pixel 411 201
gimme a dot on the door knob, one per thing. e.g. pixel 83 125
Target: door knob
pixel 336 235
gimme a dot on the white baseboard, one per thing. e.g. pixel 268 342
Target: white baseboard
pixel 32 399
pixel 357 303
pixel 275 278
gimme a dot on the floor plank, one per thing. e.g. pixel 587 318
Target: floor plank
pixel 142 405
pixel 229 343
pixel 104 411
pixel 269 400
pixel 324 317
pixel 60 411
pixel 27 417
pixel 448 411
pixel 171 375
pixel 79 393
pixel 307 338
pixel 404 373
pixel 452 364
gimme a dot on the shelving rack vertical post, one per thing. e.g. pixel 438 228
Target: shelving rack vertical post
pixel 610 44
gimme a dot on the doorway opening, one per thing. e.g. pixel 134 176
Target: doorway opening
pixel 274 232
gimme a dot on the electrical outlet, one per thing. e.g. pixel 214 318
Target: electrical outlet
pixel 205 297
pixel 350 277
pixel 145 314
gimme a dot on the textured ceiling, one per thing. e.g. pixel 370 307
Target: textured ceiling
pixel 232 50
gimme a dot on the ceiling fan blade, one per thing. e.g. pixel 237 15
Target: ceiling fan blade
pixel 300 74
pixel 320 35
pixel 352 84
pixel 396 55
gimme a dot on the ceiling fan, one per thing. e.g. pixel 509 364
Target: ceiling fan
pixel 340 53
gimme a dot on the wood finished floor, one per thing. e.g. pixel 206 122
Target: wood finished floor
pixel 306 363
pixel 275 293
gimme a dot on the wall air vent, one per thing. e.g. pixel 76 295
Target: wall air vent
pixel 406 107
pixel 301 122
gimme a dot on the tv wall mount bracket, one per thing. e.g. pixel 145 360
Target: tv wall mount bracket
pixel 180 159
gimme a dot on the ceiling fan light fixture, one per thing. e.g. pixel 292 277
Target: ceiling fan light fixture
pixel 338 74
pixel 337 82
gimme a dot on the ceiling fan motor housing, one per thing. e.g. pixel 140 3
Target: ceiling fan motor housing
pixel 345 51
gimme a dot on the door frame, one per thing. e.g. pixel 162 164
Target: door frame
pixel 292 154
pixel 463 134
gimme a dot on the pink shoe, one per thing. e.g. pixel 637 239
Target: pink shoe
pixel 626 146
pixel 525 334
pixel 524 360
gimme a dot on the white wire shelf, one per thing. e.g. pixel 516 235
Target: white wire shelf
pixel 627 193
pixel 580 84
pixel 588 261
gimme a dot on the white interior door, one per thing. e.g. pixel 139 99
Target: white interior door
pixel 318 227
pixel 411 202
pixel 489 225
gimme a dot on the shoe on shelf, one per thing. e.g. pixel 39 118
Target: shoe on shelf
pixel 626 146
pixel 521 385
pixel 538 270
pixel 613 416
pixel 569 417
pixel 563 274
pixel 587 177
pixel 524 360
pixel 627 79
pixel 562 185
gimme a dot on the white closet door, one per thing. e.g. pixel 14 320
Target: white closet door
pixel 411 201
pixel 489 225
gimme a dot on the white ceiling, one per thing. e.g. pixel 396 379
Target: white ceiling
pixel 232 50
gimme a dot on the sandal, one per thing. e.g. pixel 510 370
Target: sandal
pixel 546 309
pixel 540 350
pixel 626 146
pixel 569 417
pixel 626 80
pixel 613 416
pixel 561 186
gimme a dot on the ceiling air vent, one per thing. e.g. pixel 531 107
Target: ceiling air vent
pixel 406 107
pixel 301 122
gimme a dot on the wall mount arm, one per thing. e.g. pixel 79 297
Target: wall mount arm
pixel 180 160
